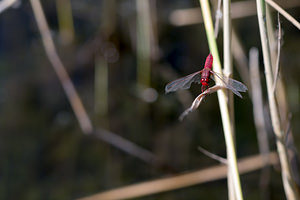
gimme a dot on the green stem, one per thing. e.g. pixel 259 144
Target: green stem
pixel 143 43
pixel 65 20
pixel 232 162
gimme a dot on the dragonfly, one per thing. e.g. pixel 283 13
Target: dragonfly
pixel 203 77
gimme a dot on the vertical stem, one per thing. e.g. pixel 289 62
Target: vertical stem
pixel 227 38
pixel 232 164
pixel 108 18
pixel 288 182
pixel 101 87
pixel 259 120
pixel 65 20
pixel 143 43
pixel 240 57
pixel 280 93
pixel 228 72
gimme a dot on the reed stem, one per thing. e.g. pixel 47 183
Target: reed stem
pixel 228 72
pixel 70 91
pixel 288 182
pixel 5 4
pixel 143 43
pixel 232 163
pixel 65 21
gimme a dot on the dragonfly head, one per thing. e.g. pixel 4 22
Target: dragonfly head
pixel 204 82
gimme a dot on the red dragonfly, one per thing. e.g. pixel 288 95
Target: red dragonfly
pixel 203 77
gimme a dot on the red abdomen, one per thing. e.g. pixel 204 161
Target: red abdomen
pixel 208 62
pixel 205 75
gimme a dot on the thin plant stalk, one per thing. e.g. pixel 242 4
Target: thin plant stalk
pixel 143 43
pixel 213 156
pixel 288 182
pixel 284 13
pixel 232 163
pixel 279 91
pixel 5 4
pixel 276 75
pixel 240 9
pixel 259 120
pixel 101 89
pixel 65 21
pixel 70 91
pixel 240 58
pixel 228 72
pixel 227 38
pixel 180 181
pixel 75 101
pixel 108 18
pixel 218 17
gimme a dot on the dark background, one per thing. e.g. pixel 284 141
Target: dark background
pixel 43 153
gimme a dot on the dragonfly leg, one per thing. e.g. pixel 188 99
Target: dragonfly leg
pixel 199 99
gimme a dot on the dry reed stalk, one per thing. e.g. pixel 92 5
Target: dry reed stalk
pixel 276 75
pixel 241 59
pixel 5 4
pixel 128 147
pixel 246 165
pixel 240 9
pixel 70 91
pixel 75 101
pixel 279 90
pixel 213 156
pixel 101 90
pixel 259 119
pixel 257 100
pixel 227 51
pixel 284 13
pixel 232 164
pixel 288 182
pixel 275 48
pixel 218 17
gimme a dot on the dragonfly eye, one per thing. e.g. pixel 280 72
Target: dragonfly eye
pixel 204 81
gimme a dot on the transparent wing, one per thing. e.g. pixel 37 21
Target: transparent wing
pixel 184 82
pixel 234 85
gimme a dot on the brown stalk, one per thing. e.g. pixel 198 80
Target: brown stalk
pixel 70 91
pixel 259 119
pixel 288 182
pixel 241 59
pixel 246 165
pixel 240 9
pixel 278 55
pixel 284 13
pixel 5 4
pixel 213 156
pixel 75 101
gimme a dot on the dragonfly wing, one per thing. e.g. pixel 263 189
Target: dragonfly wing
pixel 234 85
pixel 183 83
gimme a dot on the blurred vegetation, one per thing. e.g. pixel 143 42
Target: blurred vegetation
pixel 44 154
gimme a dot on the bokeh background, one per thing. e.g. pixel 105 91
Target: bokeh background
pixel 44 153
